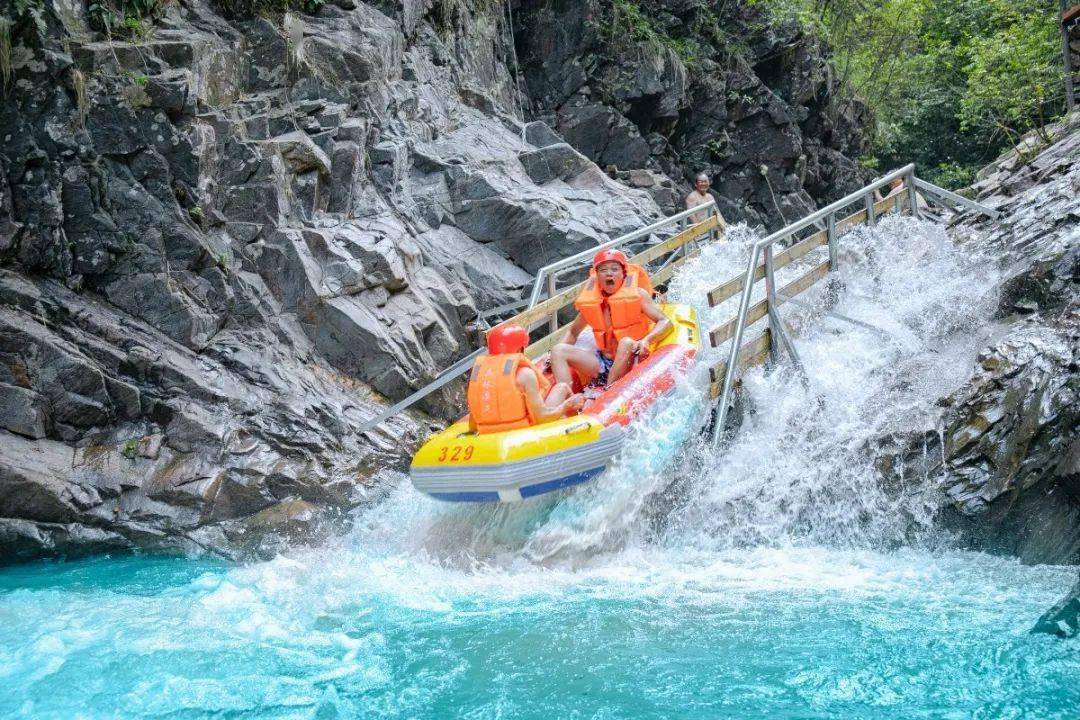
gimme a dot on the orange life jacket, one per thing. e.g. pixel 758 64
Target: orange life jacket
pixel 496 403
pixel 613 317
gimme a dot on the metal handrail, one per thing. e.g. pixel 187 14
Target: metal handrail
pixel 827 213
pixel 462 366
pixel 543 272
pixel 458 368
pixel 947 195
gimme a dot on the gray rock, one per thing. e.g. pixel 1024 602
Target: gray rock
pixel 33 482
pixel 771 100
pixel 1063 619
pixel 22 411
pixel 212 277
pixel 558 161
pixel 492 279
pixel 1012 432
pixel 268 55
pixel 540 134
pixel 300 153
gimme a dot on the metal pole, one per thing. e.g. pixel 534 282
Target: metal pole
pixel 946 196
pixel 455 370
pixel 1066 51
pixel 538 284
pixel 912 198
pixel 871 219
pixel 830 233
pixel 553 325
pixel 770 302
pixel 837 316
pixel 736 341
pixel 776 323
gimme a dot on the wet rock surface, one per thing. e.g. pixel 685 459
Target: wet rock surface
pixel 226 245
pixel 1006 448
pixel 1062 620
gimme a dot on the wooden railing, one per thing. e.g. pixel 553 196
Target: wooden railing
pixel 674 248
pixel 758 349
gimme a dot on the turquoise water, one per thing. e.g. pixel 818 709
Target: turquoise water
pixel 782 579
pixel 783 632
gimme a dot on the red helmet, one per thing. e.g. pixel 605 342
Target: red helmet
pixel 610 256
pixel 507 339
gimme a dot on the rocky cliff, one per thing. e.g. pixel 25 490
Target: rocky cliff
pixel 226 240
pixel 1005 447
pixel 225 243
pixel 686 87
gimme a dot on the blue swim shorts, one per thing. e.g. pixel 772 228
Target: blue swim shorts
pixel 605 366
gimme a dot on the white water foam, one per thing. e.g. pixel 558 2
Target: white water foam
pixel 744 584
pixel 802 467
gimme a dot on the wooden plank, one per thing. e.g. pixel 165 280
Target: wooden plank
pixel 803 247
pixel 564 298
pixel 781 259
pixel 664 275
pixel 675 241
pixel 756 351
pixel 721 334
pixel 800 249
pixel 805 281
pixel 753 352
pixel 543 310
pixel 545 343
pixel 732 286
pixel 850 221
pixel 760 309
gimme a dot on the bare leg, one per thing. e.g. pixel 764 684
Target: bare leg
pixel 624 360
pixel 560 392
pixel 564 357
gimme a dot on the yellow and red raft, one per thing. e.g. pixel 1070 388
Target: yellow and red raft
pixel 458 465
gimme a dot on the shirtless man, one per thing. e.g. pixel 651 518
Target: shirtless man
pixel 699 196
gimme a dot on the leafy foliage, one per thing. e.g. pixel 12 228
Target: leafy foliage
pixel 124 18
pixel 632 23
pixel 951 82
pixel 247 9
pixel 24 17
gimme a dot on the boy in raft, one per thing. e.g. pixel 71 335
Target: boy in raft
pixel 623 318
pixel 506 391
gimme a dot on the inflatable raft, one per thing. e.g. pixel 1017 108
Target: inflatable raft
pixel 461 466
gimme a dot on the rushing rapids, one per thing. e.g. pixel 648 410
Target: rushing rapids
pixel 781 578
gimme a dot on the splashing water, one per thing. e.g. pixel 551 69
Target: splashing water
pixel 780 579
pixel 803 466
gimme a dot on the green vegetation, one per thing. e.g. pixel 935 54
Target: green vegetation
pixel 135 90
pixel 5 52
pixel 124 18
pixel 246 9
pixel 630 24
pixel 22 18
pixel 82 104
pixel 130 449
pixel 951 83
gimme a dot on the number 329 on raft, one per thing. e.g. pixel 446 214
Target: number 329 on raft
pixel 455 453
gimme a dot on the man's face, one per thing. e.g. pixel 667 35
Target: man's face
pixel 611 275
pixel 701 185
